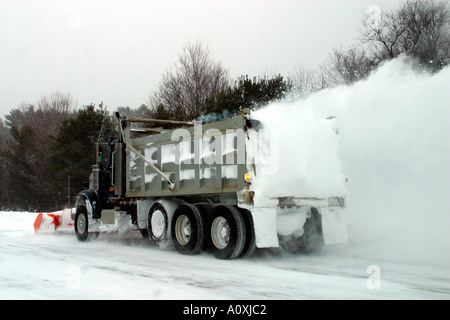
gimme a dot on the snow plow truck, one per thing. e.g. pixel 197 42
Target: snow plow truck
pixel 226 187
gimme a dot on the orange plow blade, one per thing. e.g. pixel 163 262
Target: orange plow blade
pixel 49 222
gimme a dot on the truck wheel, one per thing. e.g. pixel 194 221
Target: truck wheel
pixel 250 239
pixel 81 224
pixel 310 241
pixel 158 224
pixel 204 209
pixel 226 234
pixel 187 229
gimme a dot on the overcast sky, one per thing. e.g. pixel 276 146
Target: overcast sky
pixel 116 51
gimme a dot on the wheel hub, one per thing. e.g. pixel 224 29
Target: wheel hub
pixel 220 232
pixel 81 224
pixel 158 223
pixel 183 230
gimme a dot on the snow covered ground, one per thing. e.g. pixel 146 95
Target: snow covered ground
pixel 394 130
pixel 57 266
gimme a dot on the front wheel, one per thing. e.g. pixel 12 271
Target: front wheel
pixel 81 225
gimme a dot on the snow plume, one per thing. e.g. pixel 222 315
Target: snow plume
pixel 215 116
pixel 301 157
pixel 394 130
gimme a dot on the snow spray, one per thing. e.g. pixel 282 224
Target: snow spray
pixel 394 131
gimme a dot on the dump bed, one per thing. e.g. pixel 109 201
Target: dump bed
pixel 198 159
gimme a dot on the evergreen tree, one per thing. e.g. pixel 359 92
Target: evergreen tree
pixel 19 160
pixel 27 178
pixel 4 138
pixel 246 93
pixel 74 149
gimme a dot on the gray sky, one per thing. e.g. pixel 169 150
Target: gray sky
pixel 116 51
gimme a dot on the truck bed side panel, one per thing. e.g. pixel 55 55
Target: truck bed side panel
pixel 191 161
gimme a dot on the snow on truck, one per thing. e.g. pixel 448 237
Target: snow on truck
pixel 227 187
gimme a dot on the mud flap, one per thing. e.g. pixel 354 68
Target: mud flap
pixel 334 226
pixel 265 223
pixel 123 223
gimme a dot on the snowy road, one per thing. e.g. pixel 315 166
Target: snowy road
pixel 57 266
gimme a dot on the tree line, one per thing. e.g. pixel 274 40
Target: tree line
pixel 46 145
pixel 47 148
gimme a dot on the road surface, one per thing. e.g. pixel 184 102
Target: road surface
pixel 57 266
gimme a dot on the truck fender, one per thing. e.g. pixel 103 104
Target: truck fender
pixel 93 203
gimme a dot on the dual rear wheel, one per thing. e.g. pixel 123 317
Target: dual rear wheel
pixel 226 231
pixel 188 234
pixel 230 232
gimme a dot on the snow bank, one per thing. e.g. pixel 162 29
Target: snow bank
pixel 17 221
pixel 394 129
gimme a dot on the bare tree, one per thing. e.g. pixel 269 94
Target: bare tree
pixel 142 112
pixel 345 67
pixel 45 115
pixel 32 129
pixel 183 94
pixel 419 28
pixel 306 81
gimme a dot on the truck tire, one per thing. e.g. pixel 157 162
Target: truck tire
pixel 226 232
pixel 250 239
pixel 310 241
pixel 158 224
pixel 205 212
pixel 81 224
pixel 187 229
